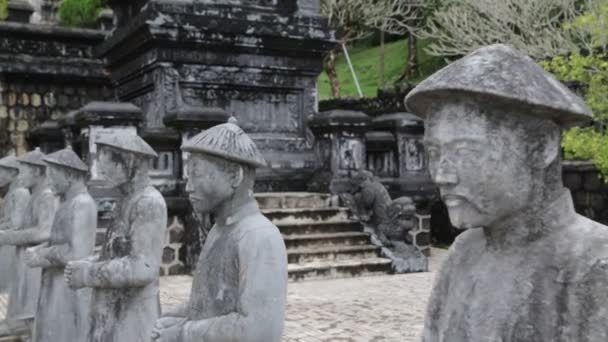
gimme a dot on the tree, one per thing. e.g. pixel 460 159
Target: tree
pixel 535 27
pixel 3 9
pixel 401 17
pixel 346 17
pixel 79 13
pixel 590 70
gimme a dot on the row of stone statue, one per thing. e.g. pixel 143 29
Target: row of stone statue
pixel 57 282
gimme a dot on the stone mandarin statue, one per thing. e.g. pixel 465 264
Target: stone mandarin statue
pixel 12 214
pixel 62 313
pixel 527 268
pixel 125 301
pixel 35 229
pixel 240 283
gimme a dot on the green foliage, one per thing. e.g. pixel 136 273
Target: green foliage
pixel 591 72
pixel 79 13
pixel 3 10
pixel 366 59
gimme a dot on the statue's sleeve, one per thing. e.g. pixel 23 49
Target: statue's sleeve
pixel 592 304
pixel 82 228
pixel 141 266
pixel 21 199
pixel 42 231
pixel 263 288
pixel 436 303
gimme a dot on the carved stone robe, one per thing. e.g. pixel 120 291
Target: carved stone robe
pixel 126 303
pixel 240 284
pixel 12 215
pixel 549 287
pixel 63 314
pixel 23 297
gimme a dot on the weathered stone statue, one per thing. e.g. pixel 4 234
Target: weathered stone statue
pixel 35 229
pixel 527 268
pixel 62 314
pixel 400 219
pixel 125 301
pixel 12 214
pixel 370 199
pixel 240 284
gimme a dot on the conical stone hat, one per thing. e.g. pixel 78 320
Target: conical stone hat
pixel 127 142
pixel 227 141
pixel 501 76
pixel 66 158
pixel 34 157
pixel 9 162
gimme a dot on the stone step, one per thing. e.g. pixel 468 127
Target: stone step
pixel 306 215
pixel 339 269
pixel 326 240
pixel 331 253
pixel 320 227
pixel 292 200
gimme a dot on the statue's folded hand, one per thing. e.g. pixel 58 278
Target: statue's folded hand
pixel 30 257
pixel 168 329
pixel 75 274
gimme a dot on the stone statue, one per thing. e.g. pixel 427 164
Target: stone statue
pixel 527 268
pixel 12 214
pixel 400 219
pixel 35 229
pixel 62 314
pixel 368 200
pixel 240 284
pixel 124 278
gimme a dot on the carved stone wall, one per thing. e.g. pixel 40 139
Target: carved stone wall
pixel 589 191
pixel 171 263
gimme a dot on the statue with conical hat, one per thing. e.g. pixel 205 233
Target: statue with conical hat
pixel 12 214
pixel 240 283
pixel 124 278
pixel 62 313
pixel 527 267
pixel 35 229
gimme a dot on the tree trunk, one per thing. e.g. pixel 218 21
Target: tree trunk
pixel 329 63
pixel 411 66
pixel 382 55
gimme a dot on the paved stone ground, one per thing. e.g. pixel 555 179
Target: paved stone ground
pixel 386 308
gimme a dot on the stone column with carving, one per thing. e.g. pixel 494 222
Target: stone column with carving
pixel 340 145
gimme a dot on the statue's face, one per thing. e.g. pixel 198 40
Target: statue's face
pixel 478 163
pixel 111 167
pixel 6 176
pixel 31 175
pixel 59 181
pixel 209 185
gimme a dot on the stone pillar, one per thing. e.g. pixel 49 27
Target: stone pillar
pixel 340 144
pixel 408 131
pixel 19 11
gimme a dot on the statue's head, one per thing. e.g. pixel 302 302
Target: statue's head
pixel 493 127
pixel 63 169
pixel 123 156
pixel 360 178
pixel 222 162
pixel 402 211
pixel 33 169
pixel 9 170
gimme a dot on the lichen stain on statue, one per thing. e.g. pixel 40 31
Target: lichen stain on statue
pixel 63 314
pixel 124 277
pixel 35 229
pixel 388 221
pixel 12 214
pixel 527 268
pixel 240 283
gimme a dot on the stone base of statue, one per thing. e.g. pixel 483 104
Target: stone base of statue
pixel 406 258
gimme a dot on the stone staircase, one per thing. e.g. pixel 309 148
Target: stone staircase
pixel 322 243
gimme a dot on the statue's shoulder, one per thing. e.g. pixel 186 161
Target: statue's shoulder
pixel 259 228
pixel 84 201
pixel 588 238
pixel 21 192
pixel 150 196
